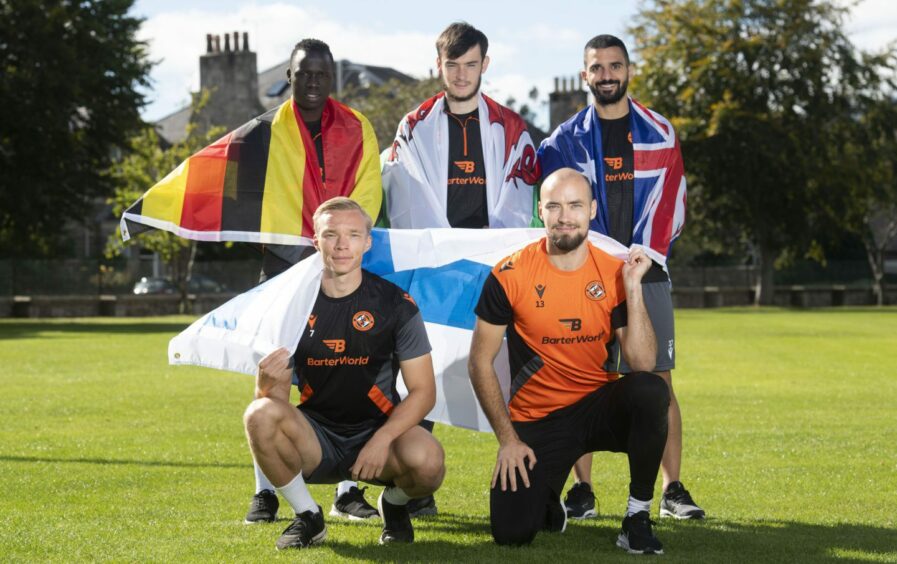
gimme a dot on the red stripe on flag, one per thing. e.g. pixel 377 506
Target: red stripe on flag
pixel 203 197
pixel 343 148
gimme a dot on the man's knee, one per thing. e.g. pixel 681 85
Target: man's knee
pixel 427 463
pixel 262 415
pixel 507 532
pixel 650 391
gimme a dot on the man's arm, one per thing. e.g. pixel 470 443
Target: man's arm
pixel 512 452
pixel 637 341
pixel 421 384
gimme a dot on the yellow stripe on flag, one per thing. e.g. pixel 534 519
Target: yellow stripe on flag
pixel 368 190
pixel 284 175
pixel 165 200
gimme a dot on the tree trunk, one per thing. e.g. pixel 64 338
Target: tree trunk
pixel 765 289
pixel 185 272
pixel 875 256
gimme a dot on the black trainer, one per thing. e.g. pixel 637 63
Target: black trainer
pixel 580 502
pixel 396 522
pixel 422 507
pixel 352 505
pixel 307 529
pixel 636 536
pixel 677 502
pixel 262 508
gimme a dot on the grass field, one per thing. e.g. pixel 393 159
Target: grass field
pixel 107 453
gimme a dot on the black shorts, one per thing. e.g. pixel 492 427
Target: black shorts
pixel 338 452
pixel 628 415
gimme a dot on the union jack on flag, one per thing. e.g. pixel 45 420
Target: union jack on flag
pixel 659 183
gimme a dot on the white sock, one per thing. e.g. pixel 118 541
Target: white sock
pixel 297 495
pixel 636 505
pixel 345 486
pixel 261 482
pixel 396 495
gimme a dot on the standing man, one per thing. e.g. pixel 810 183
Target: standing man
pixel 351 421
pixel 562 301
pixel 460 159
pixel 338 155
pixel 631 156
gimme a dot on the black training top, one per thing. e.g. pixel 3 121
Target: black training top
pixel 348 357
pixel 466 198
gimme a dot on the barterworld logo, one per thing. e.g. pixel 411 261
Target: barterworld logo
pixel 467 167
pixel 341 361
pixel 615 163
pixel 573 324
pixel 577 340
pixel 336 345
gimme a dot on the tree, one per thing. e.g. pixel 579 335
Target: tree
pixel 761 92
pixel 70 73
pixel 145 163
pixel 387 104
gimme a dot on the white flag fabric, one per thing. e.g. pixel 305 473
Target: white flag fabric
pixel 443 270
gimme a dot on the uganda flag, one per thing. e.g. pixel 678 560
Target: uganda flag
pixel 261 183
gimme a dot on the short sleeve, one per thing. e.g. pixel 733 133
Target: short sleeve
pixel 411 338
pixel 494 306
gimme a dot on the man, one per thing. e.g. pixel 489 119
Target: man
pixel 446 169
pixel 350 421
pixel 342 163
pixel 460 159
pixel 561 302
pixel 632 157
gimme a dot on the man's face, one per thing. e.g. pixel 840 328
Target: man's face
pixel 343 238
pixel 566 207
pixel 311 78
pixel 461 77
pixel 607 74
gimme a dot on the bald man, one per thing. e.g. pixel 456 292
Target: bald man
pixel 563 302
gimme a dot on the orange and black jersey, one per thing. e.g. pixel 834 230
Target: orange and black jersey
pixel 466 192
pixel 348 357
pixel 560 325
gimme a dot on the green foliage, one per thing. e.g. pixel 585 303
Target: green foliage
pixel 387 104
pixel 109 454
pixel 69 79
pixel 765 94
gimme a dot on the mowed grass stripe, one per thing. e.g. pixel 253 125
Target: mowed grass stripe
pixel 109 454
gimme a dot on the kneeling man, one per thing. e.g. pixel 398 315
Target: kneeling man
pixel 351 422
pixel 562 302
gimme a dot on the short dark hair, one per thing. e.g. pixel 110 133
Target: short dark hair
pixel 605 41
pixel 458 38
pixel 312 46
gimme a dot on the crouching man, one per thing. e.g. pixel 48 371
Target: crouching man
pixel 350 422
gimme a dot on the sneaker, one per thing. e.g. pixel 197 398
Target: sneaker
pixel 263 508
pixel 307 529
pixel 555 517
pixel 396 522
pixel 580 502
pixel 352 505
pixel 636 536
pixel 677 502
pixel 422 507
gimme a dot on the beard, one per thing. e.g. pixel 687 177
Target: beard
pixel 613 98
pixel 452 98
pixel 567 243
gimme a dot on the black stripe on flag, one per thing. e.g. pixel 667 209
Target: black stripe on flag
pixel 244 177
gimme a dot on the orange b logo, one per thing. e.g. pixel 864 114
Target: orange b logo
pixel 615 163
pixel 467 167
pixel 336 345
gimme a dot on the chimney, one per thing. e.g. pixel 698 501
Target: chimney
pixel 567 99
pixel 231 77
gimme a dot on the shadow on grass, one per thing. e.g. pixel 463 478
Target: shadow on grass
pixel 30 330
pixel 122 462
pixel 709 541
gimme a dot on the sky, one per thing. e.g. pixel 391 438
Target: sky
pixel 530 43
